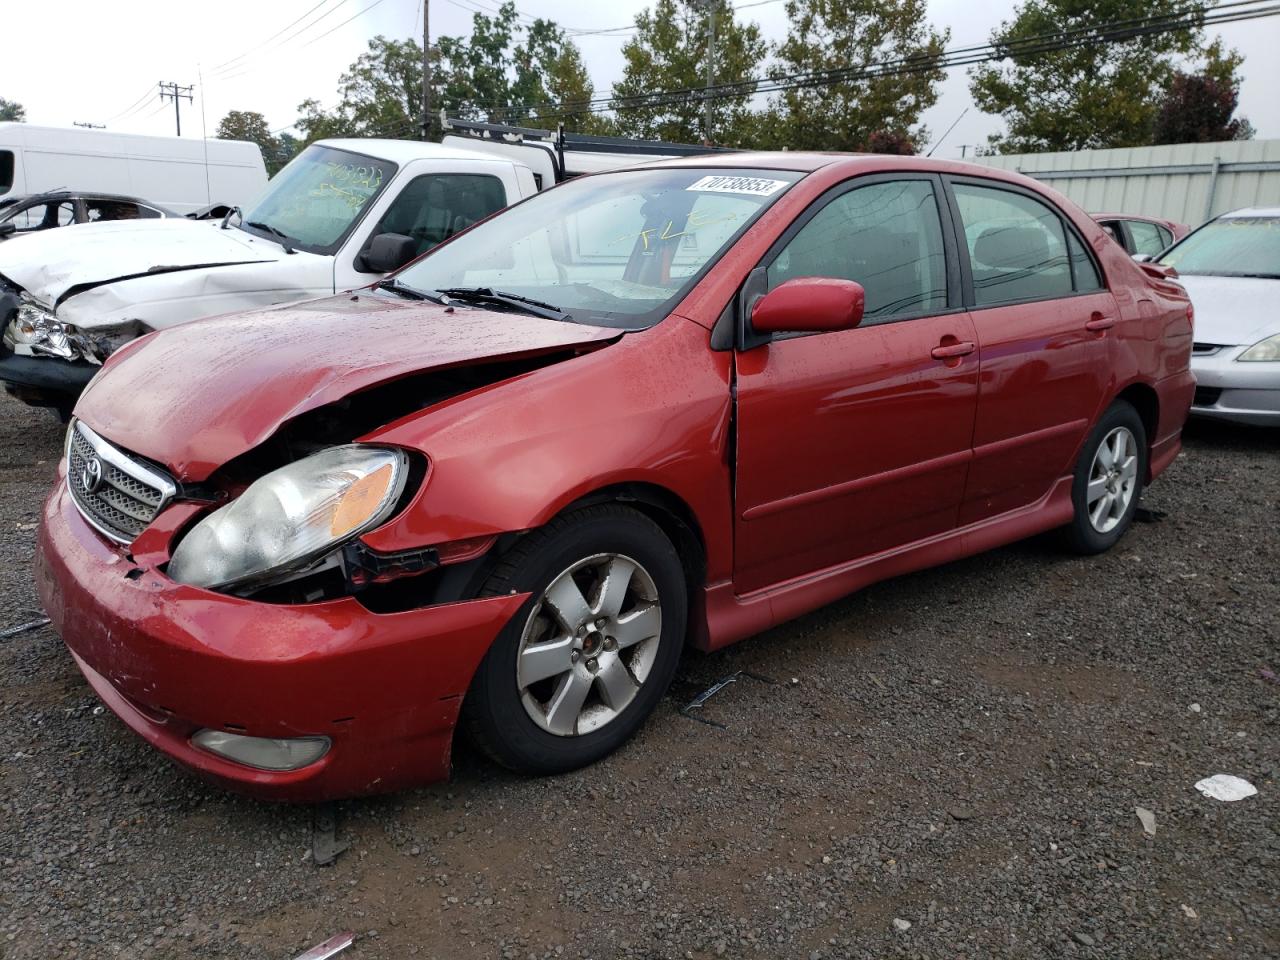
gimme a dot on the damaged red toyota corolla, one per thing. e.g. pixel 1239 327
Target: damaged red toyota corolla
pixel 672 405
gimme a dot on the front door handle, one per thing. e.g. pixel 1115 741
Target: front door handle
pixel 1098 323
pixel 953 350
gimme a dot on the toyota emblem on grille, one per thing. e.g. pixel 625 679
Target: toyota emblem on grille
pixel 91 475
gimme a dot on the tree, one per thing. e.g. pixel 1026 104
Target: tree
pixel 1101 93
pixel 252 126
pixel 875 113
pixel 669 53
pixel 1198 107
pixel 504 71
pixel 12 110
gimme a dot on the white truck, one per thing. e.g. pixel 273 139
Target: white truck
pixel 341 215
pixel 182 174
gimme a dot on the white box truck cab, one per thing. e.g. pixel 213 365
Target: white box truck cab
pixel 341 215
pixel 182 174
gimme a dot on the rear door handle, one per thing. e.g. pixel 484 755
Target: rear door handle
pixel 1098 322
pixel 951 351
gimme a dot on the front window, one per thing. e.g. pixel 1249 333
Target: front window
pixel 1231 247
pixel 6 171
pixel 614 249
pixel 317 199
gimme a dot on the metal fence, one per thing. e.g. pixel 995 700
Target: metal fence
pixel 1188 182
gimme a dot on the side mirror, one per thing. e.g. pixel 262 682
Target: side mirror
pixel 810 305
pixel 387 252
pixel 7 228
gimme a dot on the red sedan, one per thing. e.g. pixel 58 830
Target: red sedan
pixel 677 404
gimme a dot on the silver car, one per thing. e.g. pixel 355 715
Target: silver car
pixel 1231 268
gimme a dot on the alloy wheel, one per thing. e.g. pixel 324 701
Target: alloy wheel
pixel 1113 479
pixel 589 644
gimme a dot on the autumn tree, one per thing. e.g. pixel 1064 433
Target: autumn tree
pixel 1200 107
pixel 252 126
pixel 12 110
pixel 669 53
pixel 864 109
pixel 1103 91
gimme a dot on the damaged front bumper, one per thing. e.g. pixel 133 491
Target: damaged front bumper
pixel 172 660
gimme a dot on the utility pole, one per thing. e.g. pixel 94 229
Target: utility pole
pixel 426 69
pixel 91 126
pixel 710 7
pixel 171 91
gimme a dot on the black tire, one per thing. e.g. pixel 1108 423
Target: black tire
pixel 1081 535
pixel 493 713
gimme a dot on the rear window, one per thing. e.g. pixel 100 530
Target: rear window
pixel 6 171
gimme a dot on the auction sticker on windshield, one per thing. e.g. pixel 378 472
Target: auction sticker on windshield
pixel 750 186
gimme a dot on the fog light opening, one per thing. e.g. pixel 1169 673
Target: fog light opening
pixel 263 753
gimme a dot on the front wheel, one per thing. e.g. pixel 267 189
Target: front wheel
pixel 588 657
pixel 1108 480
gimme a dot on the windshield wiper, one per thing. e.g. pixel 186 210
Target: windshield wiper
pixel 548 311
pixel 286 241
pixel 411 293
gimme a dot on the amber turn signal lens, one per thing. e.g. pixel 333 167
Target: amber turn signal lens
pixel 361 501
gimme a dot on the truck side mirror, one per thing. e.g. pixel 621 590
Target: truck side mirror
pixel 387 252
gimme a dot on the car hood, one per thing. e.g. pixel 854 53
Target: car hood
pixel 200 394
pixel 54 264
pixel 1233 311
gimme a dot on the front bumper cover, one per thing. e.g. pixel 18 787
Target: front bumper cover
pixel 1242 392
pixel 170 659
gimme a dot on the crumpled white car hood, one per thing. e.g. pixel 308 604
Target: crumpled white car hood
pixel 1231 311
pixel 46 265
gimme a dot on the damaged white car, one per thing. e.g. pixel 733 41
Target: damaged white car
pixel 340 215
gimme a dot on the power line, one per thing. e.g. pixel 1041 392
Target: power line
pixel 342 24
pixel 268 47
pixel 287 26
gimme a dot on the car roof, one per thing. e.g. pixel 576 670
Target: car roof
pixel 52 195
pixel 403 151
pixel 1251 213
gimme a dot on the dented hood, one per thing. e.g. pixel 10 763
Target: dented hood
pixel 49 264
pixel 197 395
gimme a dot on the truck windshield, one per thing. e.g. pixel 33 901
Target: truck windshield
pixel 318 198
pixel 1230 247
pixel 615 249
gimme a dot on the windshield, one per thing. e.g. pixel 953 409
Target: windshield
pixel 615 249
pixel 317 199
pixel 1233 247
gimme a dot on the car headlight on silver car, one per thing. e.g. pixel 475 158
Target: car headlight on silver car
pixel 1268 349
pixel 292 517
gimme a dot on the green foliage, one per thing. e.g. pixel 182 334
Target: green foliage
pixel 669 52
pixel 252 126
pixel 877 114
pixel 504 71
pixel 12 110
pixel 1090 95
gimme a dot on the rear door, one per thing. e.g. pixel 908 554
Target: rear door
pixel 1042 316
pixel 853 442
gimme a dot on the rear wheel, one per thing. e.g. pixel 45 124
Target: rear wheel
pixel 587 658
pixel 1108 480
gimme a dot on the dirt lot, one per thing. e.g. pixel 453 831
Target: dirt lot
pixel 961 750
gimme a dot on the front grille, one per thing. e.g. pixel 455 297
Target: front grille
pixel 1205 349
pixel 1206 396
pixel 118 495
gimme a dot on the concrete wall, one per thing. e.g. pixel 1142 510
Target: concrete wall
pixel 1188 182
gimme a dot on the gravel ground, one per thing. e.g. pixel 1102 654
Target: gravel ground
pixel 960 750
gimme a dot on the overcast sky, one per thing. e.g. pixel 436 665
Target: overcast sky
pixel 86 60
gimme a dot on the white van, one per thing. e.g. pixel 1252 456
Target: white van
pixel 182 174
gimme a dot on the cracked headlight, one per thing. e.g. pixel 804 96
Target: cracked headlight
pixel 35 331
pixel 1268 349
pixel 291 517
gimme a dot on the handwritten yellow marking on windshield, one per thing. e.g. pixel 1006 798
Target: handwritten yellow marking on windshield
pixel 695 221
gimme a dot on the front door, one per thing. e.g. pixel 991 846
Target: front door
pixel 855 442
